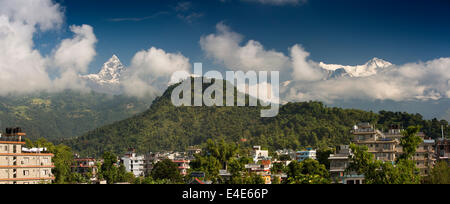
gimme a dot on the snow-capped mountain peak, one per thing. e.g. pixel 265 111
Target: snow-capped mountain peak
pixel 368 69
pixel 110 72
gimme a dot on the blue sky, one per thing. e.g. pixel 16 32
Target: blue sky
pixel 340 32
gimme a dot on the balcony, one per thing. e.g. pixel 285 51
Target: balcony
pixel 11 139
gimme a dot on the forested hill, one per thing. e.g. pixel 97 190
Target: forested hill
pixel 65 114
pixel 166 127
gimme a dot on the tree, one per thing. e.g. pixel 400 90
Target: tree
pixel 440 174
pixel 166 169
pixel 277 168
pixel 254 179
pixel 323 155
pixel 308 171
pixel 63 161
pixel 108 169
pixel 124 176
pixel 217 156
pixel 409 142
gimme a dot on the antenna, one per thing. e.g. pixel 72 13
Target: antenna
pixel 442 129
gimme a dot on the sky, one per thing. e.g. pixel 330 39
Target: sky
pixel 336 32
pixel 48 44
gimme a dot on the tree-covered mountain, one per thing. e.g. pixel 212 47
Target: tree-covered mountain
pixel 65 114
pixel 298 125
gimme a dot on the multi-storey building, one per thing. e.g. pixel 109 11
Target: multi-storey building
pixel 339 162
pixel 382 147
pixel 32 166
pixel 443 149
pixel 134 163
pixel 262 168
pixel 183 165
pixel 86 166
pixel 386 146
pixel 258 154
pixel 306 154
pixel 425 154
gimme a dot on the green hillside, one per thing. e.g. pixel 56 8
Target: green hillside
pixel 166 127
pixel 66 114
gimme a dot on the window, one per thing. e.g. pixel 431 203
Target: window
pixel 26 172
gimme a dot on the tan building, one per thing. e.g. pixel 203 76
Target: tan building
pixel 32 166
pixel 386 146
pixel 382 147
pixel 425 154
pixel 339 163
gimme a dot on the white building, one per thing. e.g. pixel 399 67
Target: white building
pixel 258 154
pixel 307 154
pixel 134 163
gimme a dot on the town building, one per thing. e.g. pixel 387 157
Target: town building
pixel 386 146
pixel 134 163
pixel 86 166
pixel 183 165
pixel 443 149
pixel 182 159
pixel 339 162
pixel 262 168
pixel 31 166
pixel 258 154
pixel 287 152
pixel 306 154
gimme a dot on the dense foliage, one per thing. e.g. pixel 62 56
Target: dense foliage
pixel 66 114
pixel 298 125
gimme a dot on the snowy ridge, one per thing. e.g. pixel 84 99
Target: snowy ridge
pixel 109 74
pixel 370 68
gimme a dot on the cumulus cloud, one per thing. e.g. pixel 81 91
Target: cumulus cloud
pixel 412 81
pixel 303 68
pixel 23 69
pixel 42 13
pixel 150 71
pixel 225 48
pixel 78 52
pixel 73 56
pixel 309 81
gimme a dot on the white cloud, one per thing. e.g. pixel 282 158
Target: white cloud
pixel 23 69
pixel 413 81
pixel 76 53
pixel 43 13
pixel 225 48
pixel 308 81
pixel 304 69
pixel 150 71
pixel 73 56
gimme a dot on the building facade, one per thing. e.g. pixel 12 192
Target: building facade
pixel 23 167
pixel 134 163
pixel 339 162
pixel 386 146
pixel 86 166
pixel 306 154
